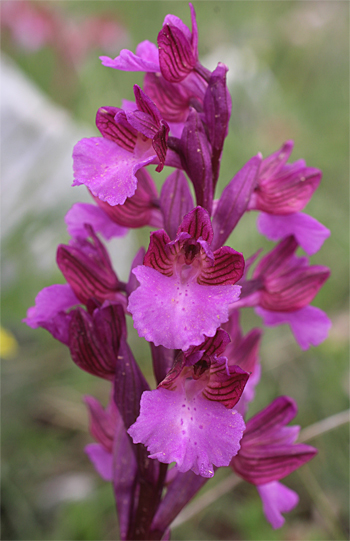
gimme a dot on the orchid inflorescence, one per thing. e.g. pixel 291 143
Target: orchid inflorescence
pixel 184 293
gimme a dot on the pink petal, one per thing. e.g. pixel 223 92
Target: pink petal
pixel 309 233
pixel 49 302
pixel 84 213
pixel 107 169
pixel 276 499
pixel 101 459
pixel 177 315
pixel 310 325
pixel 195 433
pixel 145 59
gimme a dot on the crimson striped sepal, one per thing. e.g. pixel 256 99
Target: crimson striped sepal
pixel 272 165
pixel 87 268
pixel 268 452
pixel 228 268
pixel 197 224
pixel 120 132
pixel 289 191
pixel 94 340
pixel 284 188
pixel 171 100
pixel 147 120
pixel 212 345
pixel 176 56
pixel 157 255
pixel 289 282
pixel 226 383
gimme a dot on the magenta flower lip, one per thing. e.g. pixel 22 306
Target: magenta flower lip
pixel 190 286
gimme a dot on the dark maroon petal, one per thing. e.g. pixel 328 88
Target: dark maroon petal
pixel 268 452
pixel 271 165
pixel 159 144
pixel 146 105
pixel 288 192
pixel 176 58
pixel 179 493
pixel 271 419
pixel 169 382
pixel 87 268
pixel 234 201
pixel 110 325
pixel 142 122
pixel 94 340
pixel 139 210
pixel 101 422
pixel 277 258
pixel 246 354
pixel 214 345
pixel 171 99
pixel 175 201
pixel 196 159
pixel 163 360
pixel 225 388
pixel 294 289
pixel 129 385
pixel 123 134
pixel 217 115
pixel 228 268
pixel 197 224
pixel 157 256
pixel 278 462
pixel 288 283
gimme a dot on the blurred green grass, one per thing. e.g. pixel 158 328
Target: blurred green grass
pixel 298 89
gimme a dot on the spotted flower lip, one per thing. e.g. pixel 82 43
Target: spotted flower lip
pixel 185 287
pixel 179 426
pixel 192 406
